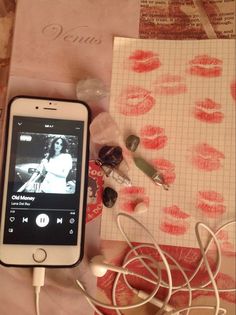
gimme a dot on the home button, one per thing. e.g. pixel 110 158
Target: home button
pixel 39 255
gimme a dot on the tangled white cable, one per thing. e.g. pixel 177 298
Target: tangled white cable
pixel 99 268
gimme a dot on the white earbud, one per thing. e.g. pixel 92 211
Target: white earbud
pixel 99 267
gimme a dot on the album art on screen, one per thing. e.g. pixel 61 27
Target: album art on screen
pixel 45 163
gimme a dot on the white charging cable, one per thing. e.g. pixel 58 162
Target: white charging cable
pixel 99 268
pixel 164 306
pixel 38 282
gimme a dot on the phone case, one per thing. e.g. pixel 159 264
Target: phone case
pixel 85 182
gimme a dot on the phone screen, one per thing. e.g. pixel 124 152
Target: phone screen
pixel 43 194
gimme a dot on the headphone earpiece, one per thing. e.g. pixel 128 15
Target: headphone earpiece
pixel 97 266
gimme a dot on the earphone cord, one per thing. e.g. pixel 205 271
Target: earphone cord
pixel 159 282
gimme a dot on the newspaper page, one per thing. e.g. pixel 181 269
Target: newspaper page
pixel 183 19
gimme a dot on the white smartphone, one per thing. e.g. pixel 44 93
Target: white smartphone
pixel 45 182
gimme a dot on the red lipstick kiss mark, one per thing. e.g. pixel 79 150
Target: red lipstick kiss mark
pixel 210 203
pixel 174 222
pixel 144 61
pixel 153 137
pixel 176 212
pixel 135 101
pixel 206 158
pixel 206 66
pixel 167 169
pixel 170 85
pixel 131 196
pixel 206 111
pixel 174 228
pixel 233 90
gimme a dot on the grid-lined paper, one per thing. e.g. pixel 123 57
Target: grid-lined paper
pixel 193 128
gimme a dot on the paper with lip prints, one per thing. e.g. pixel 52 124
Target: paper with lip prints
pixel 179 98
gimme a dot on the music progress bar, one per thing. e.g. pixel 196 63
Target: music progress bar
pixel 42 209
